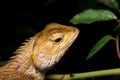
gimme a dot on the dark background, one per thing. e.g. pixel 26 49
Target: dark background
pixel 22 19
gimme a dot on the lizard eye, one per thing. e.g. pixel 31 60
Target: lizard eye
pixel 56 37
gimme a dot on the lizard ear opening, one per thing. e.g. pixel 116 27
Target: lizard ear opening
pixel 42 55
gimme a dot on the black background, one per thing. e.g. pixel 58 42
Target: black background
pixel 22 19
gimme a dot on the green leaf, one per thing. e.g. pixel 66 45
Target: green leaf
pixel 117 30
pixel 110 3
pixel 99 45
pixel 93 15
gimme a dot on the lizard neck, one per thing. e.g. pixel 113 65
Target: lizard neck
pixel 22 62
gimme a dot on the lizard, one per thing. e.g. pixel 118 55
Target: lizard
pixel 39 53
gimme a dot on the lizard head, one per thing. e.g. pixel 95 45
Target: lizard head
pixel 51 44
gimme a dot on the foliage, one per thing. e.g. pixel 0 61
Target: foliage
pixel 94 15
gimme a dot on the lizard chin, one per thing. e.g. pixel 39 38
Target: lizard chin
pixel 47 64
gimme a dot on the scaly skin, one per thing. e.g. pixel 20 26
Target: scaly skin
pixel 39 53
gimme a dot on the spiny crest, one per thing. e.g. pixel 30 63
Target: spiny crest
pixel 26 43
pixel 19 55
pixel 26 47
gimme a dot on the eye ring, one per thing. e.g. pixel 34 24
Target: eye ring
pixel 56 37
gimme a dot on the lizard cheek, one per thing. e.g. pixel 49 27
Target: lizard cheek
pixel 42 55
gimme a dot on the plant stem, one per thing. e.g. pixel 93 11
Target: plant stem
pixel 86 74
pixel 117 46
